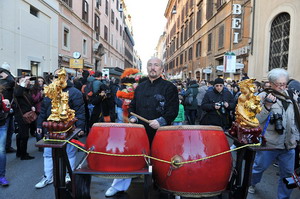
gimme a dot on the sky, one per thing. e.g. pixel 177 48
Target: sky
pixel 148 24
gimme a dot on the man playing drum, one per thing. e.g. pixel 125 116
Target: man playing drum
pixel 156 100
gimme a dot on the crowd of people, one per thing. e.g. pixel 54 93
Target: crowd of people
pixel 162 102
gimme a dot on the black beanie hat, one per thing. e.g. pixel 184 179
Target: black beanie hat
pixel 218 81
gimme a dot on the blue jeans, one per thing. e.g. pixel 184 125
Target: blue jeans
pixel 91 108
pixel 119 113
pixel 3 134
pixel 264 159
pixel 10 130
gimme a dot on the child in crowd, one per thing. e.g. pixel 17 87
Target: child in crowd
pixel 180 117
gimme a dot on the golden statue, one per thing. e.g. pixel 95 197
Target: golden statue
pixel 60 110
pixel 246 126
pixel 248 105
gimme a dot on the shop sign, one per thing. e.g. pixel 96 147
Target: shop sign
pixel 236 23
pixel 229 62
pixel 76 63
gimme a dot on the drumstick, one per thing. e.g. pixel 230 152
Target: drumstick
pixel 140 117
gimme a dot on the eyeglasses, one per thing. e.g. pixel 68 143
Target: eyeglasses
pixel 279 84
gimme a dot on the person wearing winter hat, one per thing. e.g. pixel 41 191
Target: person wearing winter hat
pixel 217 103
pixel 219 81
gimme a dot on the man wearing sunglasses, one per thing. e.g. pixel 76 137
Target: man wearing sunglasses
pixel 217 104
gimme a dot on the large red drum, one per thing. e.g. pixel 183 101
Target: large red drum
pixel 117 138
pixel 185 143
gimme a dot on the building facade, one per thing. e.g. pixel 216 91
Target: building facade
pixel 274 34
pixel 39 36
pixel 200 32
pixel 29 35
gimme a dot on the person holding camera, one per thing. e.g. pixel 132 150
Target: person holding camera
pixel 217 104
pixel 280 120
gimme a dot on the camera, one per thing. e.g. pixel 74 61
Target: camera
pixel 222 109
pixel 293 181
pixel 276 119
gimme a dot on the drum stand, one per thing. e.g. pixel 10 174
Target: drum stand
pixel 60 163
pixel 241 177
pixel 82 180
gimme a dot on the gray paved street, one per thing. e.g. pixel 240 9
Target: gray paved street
pixel 23 175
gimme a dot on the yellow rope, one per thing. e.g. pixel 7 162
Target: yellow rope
pixel 147 156
pixel 63 131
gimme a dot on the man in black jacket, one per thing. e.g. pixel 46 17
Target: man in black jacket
pixel 217 104
pixel 156 100
pixel 76 103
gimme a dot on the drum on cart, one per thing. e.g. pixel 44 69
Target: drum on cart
pixel 117 138
pixel 186 143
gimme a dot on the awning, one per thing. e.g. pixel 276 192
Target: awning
pixel 70 70
pixel 207 70
pixel 237 66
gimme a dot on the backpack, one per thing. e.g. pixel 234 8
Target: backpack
pixel 87 90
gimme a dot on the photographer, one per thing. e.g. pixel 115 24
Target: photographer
pixel 280 118
pixel 217 103
pixel 103 102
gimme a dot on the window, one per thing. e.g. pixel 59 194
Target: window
pixel 190 53
pixel 112 16
pixel 117 4
pixel 97 26
pixel 221 36
pixel 209 42
pixel 84 47
pixel 106 7
pixel 220 3
pixel 66 37
pixel 112 40
pixel 98 3
pixel 185 56
pixel 117 24
pixel 279 44
pixel 209 9
pixel 181 36
pixel 181 59
pixel 85 11
pixel 105 33
pixel 199 21
pixel 34 11
pixel 185 32
pixel 198 49
pixel 191 26
pixel 68 2
pixel 121 30
pixel 182 15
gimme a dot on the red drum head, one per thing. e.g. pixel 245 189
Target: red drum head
pixel 117 138
pixel 203 178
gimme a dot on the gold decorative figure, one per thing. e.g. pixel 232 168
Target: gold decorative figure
pixel 60 110
pixel 248 105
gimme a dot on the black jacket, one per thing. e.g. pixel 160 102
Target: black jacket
pixel 23 101
pixel 75 102
pixel 9 84
pixel 213 116
pixel 155 100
